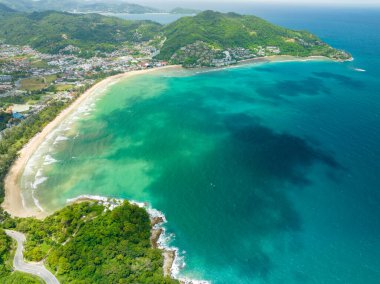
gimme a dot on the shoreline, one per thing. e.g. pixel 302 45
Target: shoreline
pixel 292 58
pixel 284 58
pixel 13 201
pixel 268 59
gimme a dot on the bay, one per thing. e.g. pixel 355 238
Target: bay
pixel 267 173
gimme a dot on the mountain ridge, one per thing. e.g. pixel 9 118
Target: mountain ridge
pixel 217 32
pixel 75 5
pixel 53 31
pixel 207 39
pixel 6 9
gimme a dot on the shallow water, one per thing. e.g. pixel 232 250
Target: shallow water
pixel 266 173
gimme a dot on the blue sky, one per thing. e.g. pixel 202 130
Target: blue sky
pixel 290 2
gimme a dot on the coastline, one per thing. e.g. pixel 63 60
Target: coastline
pixel 287 58
pixel 13 200
pixel 282 58
pixel 269 59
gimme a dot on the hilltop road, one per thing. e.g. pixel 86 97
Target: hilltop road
pixel 37 269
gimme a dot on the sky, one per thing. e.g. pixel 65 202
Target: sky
pixel 190 3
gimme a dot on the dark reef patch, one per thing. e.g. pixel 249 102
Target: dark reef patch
pixel 279 155
pixel 264 69
pixel 344 80
pixel 201 148
pixel 310 86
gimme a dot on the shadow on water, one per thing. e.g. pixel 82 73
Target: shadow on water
pixel 226 174
pixel 265 69
pixel 343 80
pixel 310 86
pixel 245 178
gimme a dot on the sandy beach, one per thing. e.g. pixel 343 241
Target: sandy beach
pixel 13 201
pixel 283 58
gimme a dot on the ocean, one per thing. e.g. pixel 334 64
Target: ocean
pixel 266 173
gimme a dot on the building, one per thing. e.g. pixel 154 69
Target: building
pixel 17 115
pixel 5 78
pixel 274 49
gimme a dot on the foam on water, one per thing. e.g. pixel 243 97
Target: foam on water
pixel 38 180
pixel 49 160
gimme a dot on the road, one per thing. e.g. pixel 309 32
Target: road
pixel 37 269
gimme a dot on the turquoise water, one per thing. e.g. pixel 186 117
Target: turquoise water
pixel 267 173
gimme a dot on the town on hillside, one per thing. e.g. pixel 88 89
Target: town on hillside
pixel 30 80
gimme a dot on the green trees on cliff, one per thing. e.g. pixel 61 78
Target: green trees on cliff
pixel 87 243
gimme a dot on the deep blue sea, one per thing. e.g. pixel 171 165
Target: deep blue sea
pixel 267 173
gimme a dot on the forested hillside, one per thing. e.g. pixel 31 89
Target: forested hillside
pixel 50 32
pixel 224 31
pixel 88 243
pixel 200 39
pixel 6 9
pixel 78 5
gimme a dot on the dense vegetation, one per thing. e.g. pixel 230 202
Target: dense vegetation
pixel 5 244
pixel 87 243
pixel 89 34
pixel 51 32
pixel 4 117
pixel 222 31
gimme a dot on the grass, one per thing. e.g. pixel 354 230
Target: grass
pixel 63 87
pixel 39 64
pixel 33 84
pixel 17 277
pixel 37 84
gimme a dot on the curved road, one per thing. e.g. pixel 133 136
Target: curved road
pixel 37 269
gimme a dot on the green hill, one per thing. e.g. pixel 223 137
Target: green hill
pixel 89 243
pixel 78 5
pixel 211 32
pixel 6 9
pixel 207 39
pixel 19 5
pixel 184 11
pixel 51 31
pixel 116 7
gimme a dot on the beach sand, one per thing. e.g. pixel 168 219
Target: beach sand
pixel 13 201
